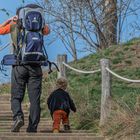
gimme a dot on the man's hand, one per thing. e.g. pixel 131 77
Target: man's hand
pixel 14 18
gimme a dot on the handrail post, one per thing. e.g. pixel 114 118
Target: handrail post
pixel 62 68
pixel 106 92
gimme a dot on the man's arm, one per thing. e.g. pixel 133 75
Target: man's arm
pixel 5 30
pixel 8 21
pixel 6 26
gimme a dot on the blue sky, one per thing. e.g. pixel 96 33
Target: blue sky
pixel 56 48
pixel 11 6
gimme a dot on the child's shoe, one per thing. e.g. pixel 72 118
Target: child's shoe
pixel 55 131
pixel 66 127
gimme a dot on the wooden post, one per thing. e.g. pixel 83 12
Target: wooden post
pixel 62 68
pixel 106 92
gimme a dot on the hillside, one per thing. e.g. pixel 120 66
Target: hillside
pixel 86 91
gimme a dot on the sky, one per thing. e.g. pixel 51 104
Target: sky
pixel 11 6
pixel 57 47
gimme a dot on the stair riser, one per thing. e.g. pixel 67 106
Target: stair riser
pixel 47 134
pixel 49 130
pixel 10 119
pixel 7 123
pixel 7 107
pixel 10 112
pixel 5 102
pixel 25 126
pixel 10 115
pixel 11 123
pixel 52 138
pixel 5 98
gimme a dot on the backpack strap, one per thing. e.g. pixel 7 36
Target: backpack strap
pixel 50 66
pixel 15 31
pixel 17 39
pixel 14 34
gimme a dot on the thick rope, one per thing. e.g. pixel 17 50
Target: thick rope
pixel 125 79
pixel 81 71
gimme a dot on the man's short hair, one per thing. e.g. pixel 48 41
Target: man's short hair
pixel 61 83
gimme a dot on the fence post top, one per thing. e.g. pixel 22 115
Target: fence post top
pixel 104 59
pixel 59 55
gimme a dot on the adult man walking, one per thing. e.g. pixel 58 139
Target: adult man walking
pixel 26 74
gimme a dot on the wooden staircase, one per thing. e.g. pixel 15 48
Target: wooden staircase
pixel 44 128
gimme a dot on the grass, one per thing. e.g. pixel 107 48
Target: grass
pixel 85 90
pixel 5 88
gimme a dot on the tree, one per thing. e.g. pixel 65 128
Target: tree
pixel 62 23
pixel 91 24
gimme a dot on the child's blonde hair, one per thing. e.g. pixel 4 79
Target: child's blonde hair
pixel 61 83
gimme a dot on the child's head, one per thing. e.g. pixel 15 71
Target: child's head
pixel 62 83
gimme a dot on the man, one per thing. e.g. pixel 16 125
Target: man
pixel 29 75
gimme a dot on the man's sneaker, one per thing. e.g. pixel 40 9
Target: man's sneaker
pixel 18 123
pixel 66 127
pixel 31 130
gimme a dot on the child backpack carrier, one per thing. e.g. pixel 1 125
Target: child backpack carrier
pixel 30 38
pixel 28 43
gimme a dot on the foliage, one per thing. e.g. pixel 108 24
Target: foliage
pixel 86 89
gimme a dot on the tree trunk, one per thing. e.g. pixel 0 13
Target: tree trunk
pixel 111 20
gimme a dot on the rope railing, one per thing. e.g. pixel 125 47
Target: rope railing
pixel 123 78
pixel 81 71
pixel 105 83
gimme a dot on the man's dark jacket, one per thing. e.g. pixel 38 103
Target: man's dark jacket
pixel 60 100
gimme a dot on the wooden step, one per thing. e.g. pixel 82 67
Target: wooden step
pixel 43 126
pixel 52 138
pixel 5 97
pixel 10 119
pixel 7 123
pixel 26 120
pixel 42 120
pixel 5 102
pixel 7 107
pixel 10 112
pixel 47 130
pixel 49 133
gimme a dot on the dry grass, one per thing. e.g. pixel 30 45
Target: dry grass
pixel 124 123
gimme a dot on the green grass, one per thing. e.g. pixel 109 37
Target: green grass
pixel 85 89
pixel 132 42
